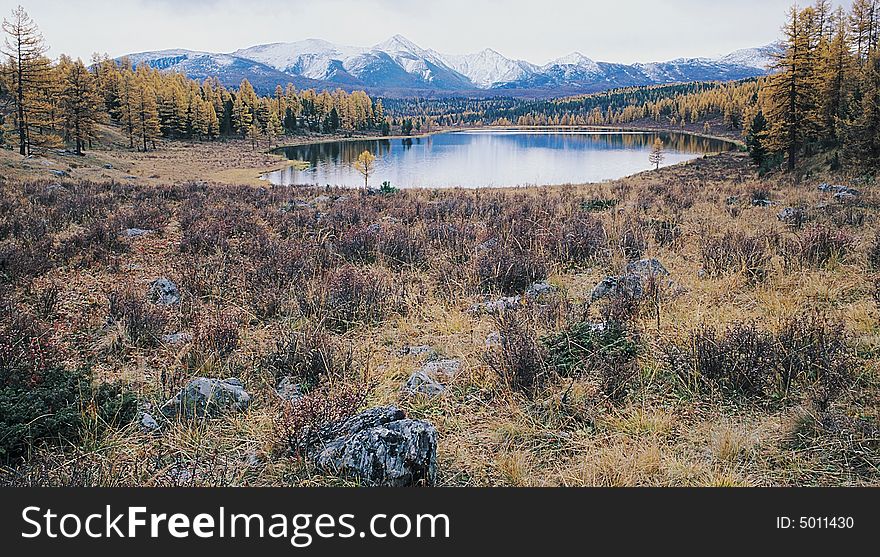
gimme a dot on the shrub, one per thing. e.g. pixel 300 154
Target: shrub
pixel 736 252
pixel 816 246
pixel 358 244
pixel 402 245
pixel 598 204
pixel 520 362
pixel 808 355
pixel 218 333
pixel 510 269
pixel 631 240
pixel 608 351
pixel 349 296
pixel 43 401
pixel 143 322
pixel 300 425
pixel 309 356
pixel 581 240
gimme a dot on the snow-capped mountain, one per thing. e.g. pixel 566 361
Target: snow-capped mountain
pixel 398 66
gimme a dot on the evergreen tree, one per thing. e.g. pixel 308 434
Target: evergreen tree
pixel 81 104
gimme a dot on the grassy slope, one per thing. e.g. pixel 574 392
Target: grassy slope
pixel 489 435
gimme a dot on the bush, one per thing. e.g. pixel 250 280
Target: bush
pixel 736 252
pixel 143 322
pixel 608 351
pixel 308 356
pixel 509 269
pixel 581 240
pixel 807 355
pixel 816 246
pixel 43 401
pixel 520 362
pixel 300 425
pixel 349 296
pixel 402 245
pixel 218 333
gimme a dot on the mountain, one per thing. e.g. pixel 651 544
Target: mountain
pixel 399 67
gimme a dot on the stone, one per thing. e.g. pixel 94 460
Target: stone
pixel 488 245
pixel 379 447
pixel 493 339
pixel 136 232
pixel 176 338
pixel 442 368
pixel 423 384
pixel 499 305
pixel 846 195
pixel 422 351
pixel 321 199
pixel 646 268
pixel 51 188
pixel 207 398
pixel 540 289
pixel 792 215
pixel 289 390
pixel 148 423
pixel 163 291
pixel 108 166
pixel 761 202
pixel 60 173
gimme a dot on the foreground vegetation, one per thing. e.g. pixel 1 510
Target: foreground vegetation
pixel 753 363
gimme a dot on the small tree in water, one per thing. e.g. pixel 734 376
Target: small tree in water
pixel 364 165
pixel 656 157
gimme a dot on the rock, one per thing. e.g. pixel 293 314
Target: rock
pixel 493 339
pixel 792 216
pixel 761 202
pixel 176 338
pixel 419 351
pixel 646 268
pixel 733 200
pixel 289 390
pixel 108 166
pixel 163 291
pixel 207 398
pixel 488 245
pixel 321 199
pixel 632 282
pixel 136 232
pixel 148 423
pixel 380 447
pixel 442 368
pixel 846 195
pixel 51 188
pixel 540 289
pixel 498 306
pixel 60 173
pixel 422 383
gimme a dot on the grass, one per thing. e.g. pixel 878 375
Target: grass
pixel 331 293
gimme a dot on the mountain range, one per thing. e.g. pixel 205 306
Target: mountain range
pixel 399 67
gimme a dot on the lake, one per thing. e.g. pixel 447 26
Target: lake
pixel 491 158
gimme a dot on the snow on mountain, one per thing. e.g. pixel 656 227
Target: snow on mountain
pixel 761 57
pixel 400 66
pixel 488 68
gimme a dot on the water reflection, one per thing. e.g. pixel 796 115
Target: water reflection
pixel 491 158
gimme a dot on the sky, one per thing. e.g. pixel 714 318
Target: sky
pixel 538 31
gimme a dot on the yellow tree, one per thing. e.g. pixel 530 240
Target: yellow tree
pixel 656 157
pixel 364 165
pixel 81 105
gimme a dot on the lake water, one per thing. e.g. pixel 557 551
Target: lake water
pixel 491 158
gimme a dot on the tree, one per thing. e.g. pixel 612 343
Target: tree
pixel 364 165
pixel 28 69
pixel 755 139
pixel 656 157
pixel 793 89
pixel 253 133
pixel 81 105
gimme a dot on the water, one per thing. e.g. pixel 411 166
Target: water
pixel 490 158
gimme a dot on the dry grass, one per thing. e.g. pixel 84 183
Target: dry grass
pixel 560 432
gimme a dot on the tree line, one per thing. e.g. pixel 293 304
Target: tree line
pixel 46 104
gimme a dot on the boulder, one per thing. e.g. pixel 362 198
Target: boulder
pixel 646 268
pixel 163 291
pixel 422 351
pixel 379 447
pixel 533 292
pixel 207 398
pixel 148 423
pixel 540 289
pixel 442 368
pixel 493 339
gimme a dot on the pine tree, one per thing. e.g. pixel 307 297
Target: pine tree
pixel 656 157
pixel 242 118
pixel 864 134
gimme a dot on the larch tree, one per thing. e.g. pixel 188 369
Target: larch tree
pixel 28 71
pixel 793 88
pixel 364 165
pixel 656 157
pixel 81 105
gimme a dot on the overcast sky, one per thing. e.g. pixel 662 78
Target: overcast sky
pixel 534 30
